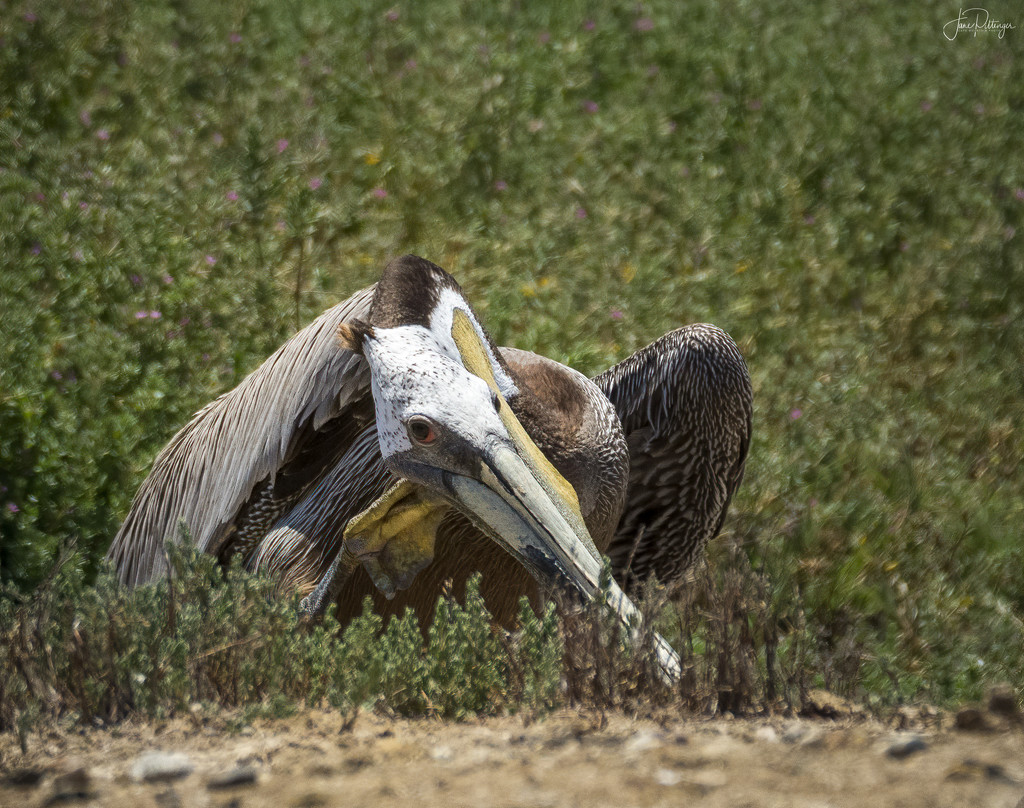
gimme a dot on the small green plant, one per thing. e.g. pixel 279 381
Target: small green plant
pixel 225 638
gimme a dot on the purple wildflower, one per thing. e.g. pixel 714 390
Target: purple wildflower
pixel 590 107
pixel 380 193
pixel 218 138
pixel 500 185
pixel 615 314
pixel 85 117
pixel 37 248
pixel 581 213
pixel 56 375
pixel 155 315
pixel 136 280
pixel 315 183
pixel 544 37
pixel 926 106
pixel 141 315
pixel 232 196
pixel 1019 193
pixel 644 24
pixel 83 206
pixel 795 413
pixel 282 144
pixel 392 15
pixel 235 37
pixel 12 507
pixel 589 25
pixel 168 280
pixel 211 260
pixel 103 134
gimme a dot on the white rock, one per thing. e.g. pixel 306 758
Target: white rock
pixel 161 766
pixel 667 777
pixel 766 735
pixel 708 779
pixel 642 741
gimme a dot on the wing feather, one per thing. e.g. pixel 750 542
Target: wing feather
pixel 210 469
pixel 685 404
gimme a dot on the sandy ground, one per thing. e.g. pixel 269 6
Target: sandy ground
pixel 567 759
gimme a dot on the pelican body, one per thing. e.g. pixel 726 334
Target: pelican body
pixel 390 450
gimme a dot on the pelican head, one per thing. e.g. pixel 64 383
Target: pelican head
pixel 441 393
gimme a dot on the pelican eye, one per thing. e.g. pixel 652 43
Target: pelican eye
pixel 421 430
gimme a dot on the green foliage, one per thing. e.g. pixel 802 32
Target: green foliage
pixel 182 183
pixel 226 638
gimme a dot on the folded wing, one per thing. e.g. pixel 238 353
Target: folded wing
pixel 685 403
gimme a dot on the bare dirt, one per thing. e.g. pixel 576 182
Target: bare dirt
pixel 570 759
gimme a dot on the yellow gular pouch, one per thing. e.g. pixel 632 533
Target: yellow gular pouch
pixel 394 537
pixel 476 361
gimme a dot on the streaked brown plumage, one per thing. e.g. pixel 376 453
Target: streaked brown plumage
pixel 274 470
pixel 685 404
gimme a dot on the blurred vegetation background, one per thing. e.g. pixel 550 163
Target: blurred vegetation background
pixel 183 184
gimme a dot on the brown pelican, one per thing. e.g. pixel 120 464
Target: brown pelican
pixel 390 450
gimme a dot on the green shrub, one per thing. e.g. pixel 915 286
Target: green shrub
pixel 102 652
